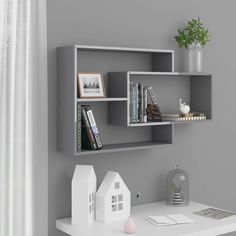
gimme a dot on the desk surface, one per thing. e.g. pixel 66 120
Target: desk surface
pixel 202 226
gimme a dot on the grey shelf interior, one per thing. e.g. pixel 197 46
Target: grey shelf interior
pixel 111 113
pixel 194 89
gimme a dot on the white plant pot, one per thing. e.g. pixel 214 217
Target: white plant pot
pixel 191 58
pixel 198 58
pixel 195 58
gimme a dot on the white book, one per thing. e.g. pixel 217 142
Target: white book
pixel 167 220
pixel 144 105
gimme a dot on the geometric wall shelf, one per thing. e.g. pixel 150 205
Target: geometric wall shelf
pixel 120 65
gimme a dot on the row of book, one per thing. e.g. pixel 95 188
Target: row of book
pixel 88 136
pixel 143 104
pixel 144 107
pixel 194 116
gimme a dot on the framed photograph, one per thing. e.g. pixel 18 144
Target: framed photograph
pixel 91 85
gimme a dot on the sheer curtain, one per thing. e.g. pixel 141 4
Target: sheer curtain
pixel 23 117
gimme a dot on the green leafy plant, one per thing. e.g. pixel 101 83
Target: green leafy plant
pixel 193 33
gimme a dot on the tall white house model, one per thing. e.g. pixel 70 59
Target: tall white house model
pixel 112 199
pixel 84 186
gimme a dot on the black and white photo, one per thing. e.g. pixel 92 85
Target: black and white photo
pixel 91 85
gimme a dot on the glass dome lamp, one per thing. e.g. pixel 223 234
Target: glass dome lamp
pixel 177 187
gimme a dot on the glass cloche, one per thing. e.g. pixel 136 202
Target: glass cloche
pixel 177 187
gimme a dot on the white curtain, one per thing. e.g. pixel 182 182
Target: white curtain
pixel 23 118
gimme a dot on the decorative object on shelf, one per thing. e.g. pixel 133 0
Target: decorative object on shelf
pixel 194 37
pixel 153 113
pixel 155 107
pixel 130 226
pixel 84 186
pixel 91 85
pixel 177 187
pixel 112 199
pixel 185 109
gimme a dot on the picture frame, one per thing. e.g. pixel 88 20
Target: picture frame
pixel 91 85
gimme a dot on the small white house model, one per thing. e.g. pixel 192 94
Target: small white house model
pixel 84 187
pixel 112 199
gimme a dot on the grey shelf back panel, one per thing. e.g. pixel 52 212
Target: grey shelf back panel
pixel 117 84
pixel 163 134
pixel 163 62
pixel 117 113
pixel 201 94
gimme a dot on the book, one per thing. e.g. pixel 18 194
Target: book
pixel 144 105
pixel 140 103
pixel 155 107
pixel 167 220
pixel 184 119
pixel 177 115
pixel 214 213
pixel 78 128
pixel 88 141
pixel 133 102
pixel 93 126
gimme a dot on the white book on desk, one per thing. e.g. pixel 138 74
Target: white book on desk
pixel 167 220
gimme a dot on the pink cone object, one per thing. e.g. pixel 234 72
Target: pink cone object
pixel 130 226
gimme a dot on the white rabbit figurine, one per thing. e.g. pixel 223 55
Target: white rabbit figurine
pixel 183 107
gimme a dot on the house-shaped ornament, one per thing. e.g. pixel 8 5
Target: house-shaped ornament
pixel 84 187
pixel 112 199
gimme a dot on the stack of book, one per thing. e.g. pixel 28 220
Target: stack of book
pixel 143 104
pixel 179 117
pixel 88 136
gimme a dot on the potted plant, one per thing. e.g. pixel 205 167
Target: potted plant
pixel 193 37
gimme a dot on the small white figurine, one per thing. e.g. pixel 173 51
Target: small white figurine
pixel 183 107
pixel 112 199
pixel 84 186
pixel 130 227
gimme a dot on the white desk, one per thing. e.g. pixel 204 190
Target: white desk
pixel 202 226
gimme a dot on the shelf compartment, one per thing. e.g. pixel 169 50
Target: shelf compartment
pixel 121 147
pixel 160 135
pixel 194 88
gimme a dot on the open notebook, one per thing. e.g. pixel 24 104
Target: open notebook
pixel 167 220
